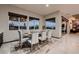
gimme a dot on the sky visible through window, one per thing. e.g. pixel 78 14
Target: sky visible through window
pixel 50 24
pixel 16 23
pixel 34 23
pixel 31 23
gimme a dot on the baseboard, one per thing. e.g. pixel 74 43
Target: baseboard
pixel 56 37
pixel 10 41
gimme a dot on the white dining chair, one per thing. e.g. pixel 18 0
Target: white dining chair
pixel 21 39
pixel 43 36
pixel 50 35
pixel 34 40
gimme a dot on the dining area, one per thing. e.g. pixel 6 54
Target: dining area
pixel 32 41
pixel 27 33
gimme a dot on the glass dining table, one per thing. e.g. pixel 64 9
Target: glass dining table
pixel 26 35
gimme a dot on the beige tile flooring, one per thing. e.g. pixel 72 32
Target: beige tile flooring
pixel 68 44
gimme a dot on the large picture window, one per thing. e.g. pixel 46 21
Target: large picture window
pixel 50 23
pixel 17 21
pixel 33 23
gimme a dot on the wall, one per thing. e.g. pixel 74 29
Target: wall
pixel 57 31
pixel 4 26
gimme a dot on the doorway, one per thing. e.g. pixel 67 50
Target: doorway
pixel 64 25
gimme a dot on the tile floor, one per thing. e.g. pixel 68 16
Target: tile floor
pixel 68 44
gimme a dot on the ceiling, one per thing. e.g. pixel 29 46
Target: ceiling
pixel 41 9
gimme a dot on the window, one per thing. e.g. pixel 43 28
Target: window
pixel 13 23
pixel 23 23
pixel 50 23
pixel 33 23
pixel 17 21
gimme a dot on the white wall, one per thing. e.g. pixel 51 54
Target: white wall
pixel 4 19
pixel 57 31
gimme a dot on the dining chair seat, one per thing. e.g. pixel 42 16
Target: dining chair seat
pixel 24 40
pixel 39 38
pixel 29 41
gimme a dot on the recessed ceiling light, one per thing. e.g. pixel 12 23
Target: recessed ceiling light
pixel 47 5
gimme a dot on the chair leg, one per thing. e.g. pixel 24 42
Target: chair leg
pixel 50 40
pixel 38 46
pixel 20 44
pixel 31 48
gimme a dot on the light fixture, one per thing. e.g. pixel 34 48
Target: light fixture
pixel 47 5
